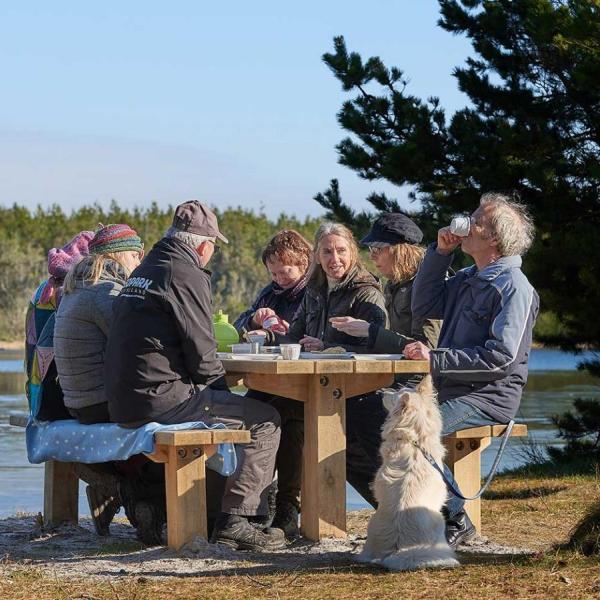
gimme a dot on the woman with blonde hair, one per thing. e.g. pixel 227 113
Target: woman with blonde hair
pixel 338 284
pixel 394 246
pixel 84 315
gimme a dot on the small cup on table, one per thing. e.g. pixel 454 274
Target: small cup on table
pixel 290 351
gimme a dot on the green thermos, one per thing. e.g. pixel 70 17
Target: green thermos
pixel 225 333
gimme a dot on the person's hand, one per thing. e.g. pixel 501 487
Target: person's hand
pixel 447 241
pixel 260 315
pixel 416 351
pixel 312 344
pixel 351 326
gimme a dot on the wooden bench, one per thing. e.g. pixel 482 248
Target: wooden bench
pixel 463 457
pixel 184 455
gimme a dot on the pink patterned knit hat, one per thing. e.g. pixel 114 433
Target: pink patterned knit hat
pixel 60 261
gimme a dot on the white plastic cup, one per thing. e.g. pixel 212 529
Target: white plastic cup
pixel 290 351
pixel 461 226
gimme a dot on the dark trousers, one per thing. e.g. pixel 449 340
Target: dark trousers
pixel 88 415
pixel 246 490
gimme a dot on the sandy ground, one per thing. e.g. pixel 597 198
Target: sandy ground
pixel 75 550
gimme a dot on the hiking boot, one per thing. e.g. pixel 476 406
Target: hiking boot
pixel 102 508
pixel 459 529
pixel 150 520
pixel 263 521
pixel 286 519
pixel 236 532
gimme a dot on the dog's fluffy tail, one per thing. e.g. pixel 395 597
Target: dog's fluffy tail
pixel 438 556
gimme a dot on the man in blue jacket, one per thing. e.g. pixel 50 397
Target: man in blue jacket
pixel 489 310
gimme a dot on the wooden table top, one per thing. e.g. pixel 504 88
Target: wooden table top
pixel 311 367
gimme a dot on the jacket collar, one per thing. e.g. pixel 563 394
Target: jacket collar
pixel 184 250
pixel 493 270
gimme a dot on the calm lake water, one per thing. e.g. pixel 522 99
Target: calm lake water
pixel 553 384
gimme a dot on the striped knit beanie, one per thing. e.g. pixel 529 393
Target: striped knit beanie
pixel 115 238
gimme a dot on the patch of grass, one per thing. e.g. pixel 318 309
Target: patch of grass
pixel 558 575
pixel 120 547
pixel 581 465
pixel 523 510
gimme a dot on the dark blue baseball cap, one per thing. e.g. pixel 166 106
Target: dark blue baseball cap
pixel 393 228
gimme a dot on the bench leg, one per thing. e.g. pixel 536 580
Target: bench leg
pixel 464 460
pixel 61 493
pixel 185 480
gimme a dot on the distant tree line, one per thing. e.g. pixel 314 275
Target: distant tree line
pixel 27 235
pixel 238 273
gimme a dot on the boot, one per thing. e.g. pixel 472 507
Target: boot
pixel 459 529
pixel 150 520
pixel 286 519
pixel 238 533
pixel 102 508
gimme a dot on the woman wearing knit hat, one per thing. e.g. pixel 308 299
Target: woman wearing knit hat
pixel 84 316
pixel 80 333
pixel 43 393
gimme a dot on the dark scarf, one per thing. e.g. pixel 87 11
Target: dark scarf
pixel 293 292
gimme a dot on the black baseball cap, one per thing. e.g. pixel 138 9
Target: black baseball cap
pixel 393 228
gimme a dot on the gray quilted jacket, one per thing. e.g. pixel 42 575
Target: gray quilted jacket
pixel 80 333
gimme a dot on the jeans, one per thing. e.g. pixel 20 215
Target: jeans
pixel 459 414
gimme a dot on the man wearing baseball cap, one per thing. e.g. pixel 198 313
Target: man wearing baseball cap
pixel 161 365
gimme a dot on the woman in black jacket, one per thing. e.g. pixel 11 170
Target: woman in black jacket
pixel 338 285
pixel 286 257
pixel 394 247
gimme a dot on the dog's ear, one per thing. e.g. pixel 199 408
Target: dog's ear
pixel 425 388
pixel 394 400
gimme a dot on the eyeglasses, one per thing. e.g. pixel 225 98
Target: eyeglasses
pixel 376 250
pixel 216 248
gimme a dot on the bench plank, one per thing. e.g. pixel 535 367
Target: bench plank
pixel 18 420
pixel 518 430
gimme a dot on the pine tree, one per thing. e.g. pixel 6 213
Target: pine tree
pixel 533 127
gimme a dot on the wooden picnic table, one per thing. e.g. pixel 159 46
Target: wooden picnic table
pixel 323 385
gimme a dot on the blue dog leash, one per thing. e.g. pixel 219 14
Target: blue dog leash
pixel 451 487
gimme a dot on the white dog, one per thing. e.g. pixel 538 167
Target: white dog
pixel 407 531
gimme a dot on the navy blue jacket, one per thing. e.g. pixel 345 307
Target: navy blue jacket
pixel 484 344
pixel 285 304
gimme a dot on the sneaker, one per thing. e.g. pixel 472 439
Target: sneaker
pixel 102 508
pixel 150 520
pixel 236 532
pixel 286 519
pixel 459 529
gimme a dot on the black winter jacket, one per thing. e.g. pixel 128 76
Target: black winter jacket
pixel 358 295
pixel 404 326
pixel 284 302
pixel 161 342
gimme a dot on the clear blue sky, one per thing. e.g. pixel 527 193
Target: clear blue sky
pixel 142 101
